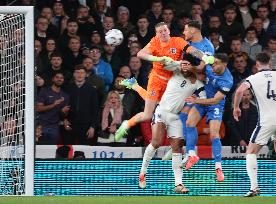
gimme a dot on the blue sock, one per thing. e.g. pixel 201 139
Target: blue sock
pixel 183 118
pixel 191 138
pixel 216 147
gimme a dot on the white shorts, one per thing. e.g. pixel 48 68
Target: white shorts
pixel 171 120
pixel 262 134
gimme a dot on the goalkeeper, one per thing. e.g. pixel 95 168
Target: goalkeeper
pixel 161 50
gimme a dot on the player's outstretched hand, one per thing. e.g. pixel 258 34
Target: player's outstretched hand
pixel 166 60
pixel 191 99
pixel 237 113
pixel 172 65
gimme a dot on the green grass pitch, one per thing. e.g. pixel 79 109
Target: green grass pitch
pixel 135 200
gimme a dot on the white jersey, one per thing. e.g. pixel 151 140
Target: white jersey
pixel 178 89
pixel 263 86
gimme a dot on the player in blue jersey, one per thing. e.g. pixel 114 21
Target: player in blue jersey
pixel 192 34
pixel 218 83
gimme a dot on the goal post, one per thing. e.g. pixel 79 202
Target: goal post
pixel 17 100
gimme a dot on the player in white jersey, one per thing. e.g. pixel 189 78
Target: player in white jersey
pixel 166 117
pixel 263 86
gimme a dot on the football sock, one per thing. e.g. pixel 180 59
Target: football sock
pixel 183 117
pixel 149 153
pixel 252 168
pixel 142 92
pixel 176 163
pixel 191 140
pixel 216 148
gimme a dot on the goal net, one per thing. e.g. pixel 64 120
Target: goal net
pixel 16 101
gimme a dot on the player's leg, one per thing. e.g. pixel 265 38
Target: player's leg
pixel 259 137
pixel 177 146
pixel 158 132
pixel 216 147
pixel 194 117
pixel 139 117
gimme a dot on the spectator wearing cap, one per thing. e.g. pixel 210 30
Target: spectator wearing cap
pixel 101 68
pixel 251 45
pixel 96 39
pixel 123 22
pixel 87 23
pixel 108 23
pixel 144 34
pixel 85 49
pixel 73 55
pixel 214 37
pixel 92 78
pixel 155 13
pixel 110 56
pixel 71 30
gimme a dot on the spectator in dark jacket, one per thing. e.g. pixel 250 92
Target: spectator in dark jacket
pixel 83 116
pixel 241 130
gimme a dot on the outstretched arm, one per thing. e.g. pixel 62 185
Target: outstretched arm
pixel 145 54
pixel 209 101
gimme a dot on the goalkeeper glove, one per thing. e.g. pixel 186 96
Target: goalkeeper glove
pixel 160 59
pixel 208 59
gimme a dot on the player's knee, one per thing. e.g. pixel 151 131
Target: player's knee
pixel 190 123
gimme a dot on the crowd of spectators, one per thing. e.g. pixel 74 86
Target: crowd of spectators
pixel 79 99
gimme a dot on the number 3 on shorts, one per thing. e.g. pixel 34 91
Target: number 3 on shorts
pixel 216 111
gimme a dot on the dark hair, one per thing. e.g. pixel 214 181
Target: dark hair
pixel 223 57
pixel 55 54
pixel 142 16
pixel 194 24
pixel 263 6
pixel 251 28
pixel 57 72
pixel 71 20
pixel 63 151
pixel 79 67
pixel 273 37
pixel 156 1
pixel 236 38
pixel 263 58
pixel 230 7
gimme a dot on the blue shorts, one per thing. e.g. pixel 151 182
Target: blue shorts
pixel 213 112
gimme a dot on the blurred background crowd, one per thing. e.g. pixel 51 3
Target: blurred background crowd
pixel 79 99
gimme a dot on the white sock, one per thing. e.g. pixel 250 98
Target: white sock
pixel 176 163
pixel 192 153
pixel 218 165
pixel 252 168
pixel 149 153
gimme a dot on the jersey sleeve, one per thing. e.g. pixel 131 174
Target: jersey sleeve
pixel 249 80
pixel 200 91
pixel 225 85
pixel 152 45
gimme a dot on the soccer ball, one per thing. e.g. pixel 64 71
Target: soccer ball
pixel 114 37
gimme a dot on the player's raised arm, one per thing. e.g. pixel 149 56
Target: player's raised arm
pixel 145 54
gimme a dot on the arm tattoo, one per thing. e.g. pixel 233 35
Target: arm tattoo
pixel 196 53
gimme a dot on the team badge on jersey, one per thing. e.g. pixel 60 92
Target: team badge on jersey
pixel 152 93
pixel 173 50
